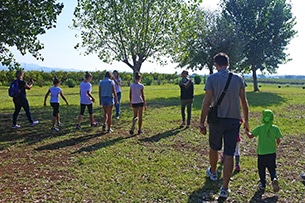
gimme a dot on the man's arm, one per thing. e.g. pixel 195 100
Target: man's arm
pixel 204 110
pixel 245 108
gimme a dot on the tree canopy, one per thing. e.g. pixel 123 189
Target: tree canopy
pixel 130 31
pixel 267 28
pixel 21 21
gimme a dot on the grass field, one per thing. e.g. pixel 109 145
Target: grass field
pixel 165 164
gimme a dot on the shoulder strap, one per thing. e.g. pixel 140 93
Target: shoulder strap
pixel 225 89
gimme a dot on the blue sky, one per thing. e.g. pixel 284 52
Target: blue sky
pixel 59 46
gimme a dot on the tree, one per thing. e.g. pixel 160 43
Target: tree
pixel 21 21
pixel 130 31
pixel 213 34
pixel 267 28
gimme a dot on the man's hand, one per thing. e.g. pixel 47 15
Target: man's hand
pixel 203 129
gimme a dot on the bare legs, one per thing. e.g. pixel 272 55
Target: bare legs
pixel 108 116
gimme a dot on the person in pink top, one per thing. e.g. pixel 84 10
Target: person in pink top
pixel 137 102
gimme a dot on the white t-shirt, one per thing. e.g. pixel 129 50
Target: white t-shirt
pixel 55 93
pixel 136 96
pixel 85 87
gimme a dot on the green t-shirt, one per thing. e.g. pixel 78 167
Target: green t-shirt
pixel 266 140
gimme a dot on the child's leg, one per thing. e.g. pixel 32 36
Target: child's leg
pixel 105 120
pixel 82 110
pixel 109 116
pixel 135 116
pixel 53 121
pixel 272 166
pixel 140 113
pixel 183 104
pixel 261 164
pixel 92 121
pixel 189 112
pixel 237 154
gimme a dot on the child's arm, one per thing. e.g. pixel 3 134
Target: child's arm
pixel 45 98
pixel 99 94
pixel 64 98
pixel 90 95
pixel 278 141
pixel 114 94
pixel 249 134
pixel 130 97
pixel 142 94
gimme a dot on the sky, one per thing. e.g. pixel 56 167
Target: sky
pixel 59 45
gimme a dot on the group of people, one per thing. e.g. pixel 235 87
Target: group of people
pixel 109 96
pixel 225 133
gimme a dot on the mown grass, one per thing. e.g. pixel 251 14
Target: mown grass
pixel 165 164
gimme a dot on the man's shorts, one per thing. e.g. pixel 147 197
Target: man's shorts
pixel 107 101
pixel 227 130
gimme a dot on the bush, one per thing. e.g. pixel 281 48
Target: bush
pixel 197 79
pixel 70 83
pixel 148 80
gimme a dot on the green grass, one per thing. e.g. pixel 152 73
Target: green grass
pixel 165 164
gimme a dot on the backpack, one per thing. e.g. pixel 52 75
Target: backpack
pixel 14 90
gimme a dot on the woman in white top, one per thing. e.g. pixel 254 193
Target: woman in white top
pixel 137 102
pixel 55 92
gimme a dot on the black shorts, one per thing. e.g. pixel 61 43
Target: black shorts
pixel 55 107
pixel 82 109
pixel 138 105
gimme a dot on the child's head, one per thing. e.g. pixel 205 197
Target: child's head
pixel 108 74
pixel 137 76
pixel 115 73
pixel 19 74
pixel 267 116
pixel 56 81
pixel 88 76
pixel 184 74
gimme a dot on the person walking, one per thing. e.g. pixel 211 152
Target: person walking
pixel 268 140
pixel 137 103
pixel 187 96
pixel 118 83
pixel 55 93
pixel 228 125
pixel 86 100
pixel 21 100
pixel 108 98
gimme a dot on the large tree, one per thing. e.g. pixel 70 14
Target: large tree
pixel 267 27
pixel 21 21
pixel 131 31
pixel 213 34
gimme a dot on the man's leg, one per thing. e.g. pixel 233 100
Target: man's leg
pixel 213 155
pixel 227 170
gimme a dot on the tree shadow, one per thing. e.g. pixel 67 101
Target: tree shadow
pixel 159 136
pixel 208 193
pixel 264 99
pixel 257 198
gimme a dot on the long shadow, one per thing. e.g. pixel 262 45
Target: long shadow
pixel 209 192
pixel 264 99
pixel 159 136
pixel 257 198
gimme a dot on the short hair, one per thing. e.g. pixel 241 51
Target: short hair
pixel 55 80
pixel 19 73
pixel 185 72
pixel 88 75
pixel 221 59
pixel 108 74
pixel 137 75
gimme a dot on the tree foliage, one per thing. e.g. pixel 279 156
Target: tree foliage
pixel 130 31
pixel 21 21
pixel 267 28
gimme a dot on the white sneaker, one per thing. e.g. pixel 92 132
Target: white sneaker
pixel 15 126
pixel 54 129
pixel 224 192
pixel 212 176
pixel 34 123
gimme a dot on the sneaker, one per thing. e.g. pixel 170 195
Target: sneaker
pixel 59 124
pixel 275 185
pixel 224 192
pixel 109 130
pixel 303 176
pixel 261 186
pixel 237 168
pixel 187 126
pixel 15 126
pixel 117 117
pixel 78 127
pixel 54 129
pixel 182 125
pixel 104 127
pixel 212 176
pixel 34 123
pixel 140 132
pixel 94 124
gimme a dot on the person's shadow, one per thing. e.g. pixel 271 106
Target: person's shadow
pixel 163 135
pixel 257 198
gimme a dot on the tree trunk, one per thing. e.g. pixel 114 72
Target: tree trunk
pixel 254 77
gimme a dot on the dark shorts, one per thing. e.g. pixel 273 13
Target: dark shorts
pixel 107 101
pixel 225 131
pixel 55 107
pixel 138 105
pixel 82 109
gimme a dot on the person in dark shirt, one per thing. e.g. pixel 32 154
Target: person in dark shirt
pixel 187 97
pixel 22 101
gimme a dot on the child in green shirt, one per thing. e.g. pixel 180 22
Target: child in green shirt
pixel 268 139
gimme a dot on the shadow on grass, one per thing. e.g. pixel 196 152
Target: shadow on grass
pixel 264 99
pixel 257 198
pixel 159 136
pixel 208 193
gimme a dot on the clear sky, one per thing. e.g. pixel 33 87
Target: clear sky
pixel 59 45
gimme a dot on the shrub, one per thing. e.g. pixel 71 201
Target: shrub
pixel 70 83
pixel 197 79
